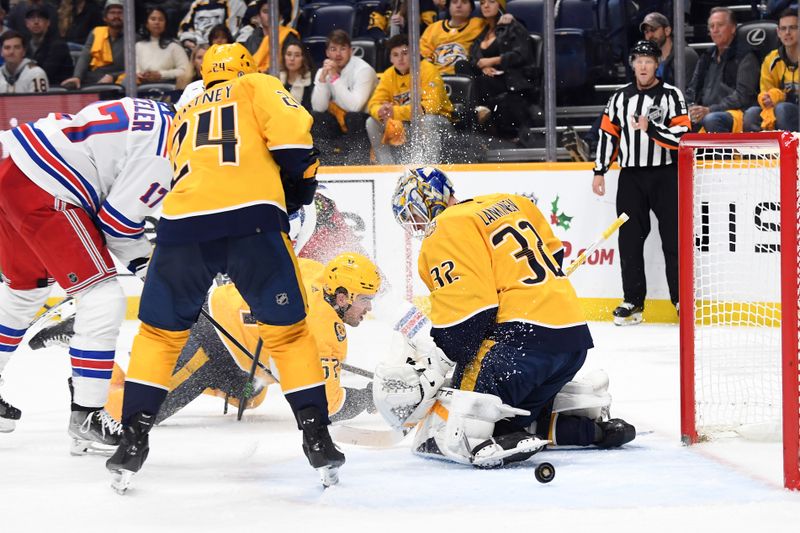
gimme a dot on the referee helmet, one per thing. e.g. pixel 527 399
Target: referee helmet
pixel 645 48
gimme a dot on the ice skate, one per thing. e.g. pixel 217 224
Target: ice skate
pixel 8 415
pixel 93 432
pixel 500 451
pixel 615 433
pixel 58 334
pixel 627 314
pixel 131 453
pixel 320 450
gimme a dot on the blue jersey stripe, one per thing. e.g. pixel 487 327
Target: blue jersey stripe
pixel 86 184
pixel 50 170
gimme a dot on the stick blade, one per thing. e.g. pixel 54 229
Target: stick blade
pixel 369 438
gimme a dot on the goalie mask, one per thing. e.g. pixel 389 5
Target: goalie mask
pixel 421 195
pixel 352 274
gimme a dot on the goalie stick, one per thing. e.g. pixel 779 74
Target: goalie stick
pixel 608 232
pixel 369 438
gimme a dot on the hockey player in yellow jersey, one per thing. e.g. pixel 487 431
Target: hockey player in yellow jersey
pixel 505 315
pixel 243 158
pixel 340 294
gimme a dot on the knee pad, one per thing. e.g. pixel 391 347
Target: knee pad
pixel 99 313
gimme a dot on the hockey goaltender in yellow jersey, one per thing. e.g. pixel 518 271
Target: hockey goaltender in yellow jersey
pixel 521 276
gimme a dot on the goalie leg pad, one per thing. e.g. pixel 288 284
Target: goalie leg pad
pixel 587 395
pixel 458 423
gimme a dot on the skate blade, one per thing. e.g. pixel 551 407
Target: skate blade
pixel 329 475
pixel 121 481
pixel 88 447
pixel 630 321
pixel 7 425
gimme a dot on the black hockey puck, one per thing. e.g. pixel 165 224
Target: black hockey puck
pixel 545 472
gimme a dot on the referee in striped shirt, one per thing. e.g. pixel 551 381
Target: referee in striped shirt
pixel 640 128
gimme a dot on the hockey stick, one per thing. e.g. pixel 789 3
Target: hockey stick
pixel 358 371
pixel 369 438
pixel 237 344
pixel 608 232
pixel 249 383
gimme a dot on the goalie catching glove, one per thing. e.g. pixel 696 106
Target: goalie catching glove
pixel 404 393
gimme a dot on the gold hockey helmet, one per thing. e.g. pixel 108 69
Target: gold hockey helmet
pixel 356 273
pixel 224 62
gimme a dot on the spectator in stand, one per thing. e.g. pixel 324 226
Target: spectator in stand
pixel 159 57
pixel 448 41
pixel 296 72
pixel 390 109
pixel 16 16
pixel 102 59
pixel 77 18
pixel 656 27
pixel 777 109
pixel 725 80
pixel 500 61
pixel 195 62
pixel 220 34
pixel 342 88
pixel 389 18
pixel 203 15
pixel 46 48
pixel 258 43
pixel 19 74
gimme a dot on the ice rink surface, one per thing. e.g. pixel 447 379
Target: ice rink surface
pixel 208 472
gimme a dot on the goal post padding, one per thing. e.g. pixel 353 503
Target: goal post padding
pixel 739 269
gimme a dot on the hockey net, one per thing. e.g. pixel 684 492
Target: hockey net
pixel 738 242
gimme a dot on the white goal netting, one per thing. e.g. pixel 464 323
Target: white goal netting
pixel 737 279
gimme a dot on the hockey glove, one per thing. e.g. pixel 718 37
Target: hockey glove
pixel 138 267
pixel 404 393
pixel 298 193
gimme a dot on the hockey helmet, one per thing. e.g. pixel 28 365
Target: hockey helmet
pixel 645 48
pixel 421 195
pixel 224 62
pixel 353 272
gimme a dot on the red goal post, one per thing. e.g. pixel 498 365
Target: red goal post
pixel 739 270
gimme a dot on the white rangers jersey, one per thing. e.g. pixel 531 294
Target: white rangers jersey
pixel 194 89
pixel 110 159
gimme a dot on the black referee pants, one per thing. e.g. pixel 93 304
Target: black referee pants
pixel 641 190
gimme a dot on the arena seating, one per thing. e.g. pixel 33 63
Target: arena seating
pixel 327 18
pixel 367 50
pixel 460 91
pixel 529 12
pixel 760 35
